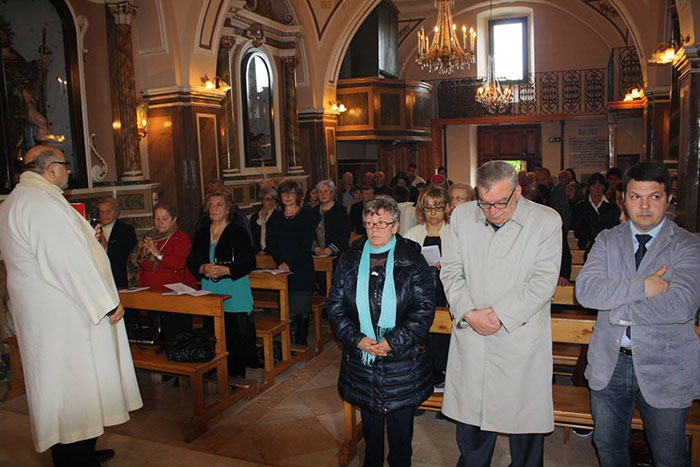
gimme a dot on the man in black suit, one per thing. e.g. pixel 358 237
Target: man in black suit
pixel 116 237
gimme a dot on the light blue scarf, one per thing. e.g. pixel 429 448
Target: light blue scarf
pixel 387 318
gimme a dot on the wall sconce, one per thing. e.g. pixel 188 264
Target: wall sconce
pixel 337 106
pixel 212 84
pixel 666 52
pixel 634 94
pixel 142 117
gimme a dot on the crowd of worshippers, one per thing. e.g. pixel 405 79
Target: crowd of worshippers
pixel 498 267
pixel 586 208
pixel 290 225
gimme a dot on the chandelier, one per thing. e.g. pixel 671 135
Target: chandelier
pixel 444 54
pixel 491 95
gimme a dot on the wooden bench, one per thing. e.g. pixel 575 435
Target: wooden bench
pixel 267 328
pixel 577 256
pixel 575 270
pixel 265 299
pixel 572 408
pixel 146 358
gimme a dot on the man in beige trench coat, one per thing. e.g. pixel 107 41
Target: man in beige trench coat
pixel 500 271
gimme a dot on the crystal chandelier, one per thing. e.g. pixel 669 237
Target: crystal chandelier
pixel 444 54
pixel 491 95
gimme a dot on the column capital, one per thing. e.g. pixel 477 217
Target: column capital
pixel 227 42
pixel 658 94
pixel 290 62
pixel 123 11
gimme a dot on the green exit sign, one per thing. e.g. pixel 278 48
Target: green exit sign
pixel 554 139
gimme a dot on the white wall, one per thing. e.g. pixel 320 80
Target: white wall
pixel 461 151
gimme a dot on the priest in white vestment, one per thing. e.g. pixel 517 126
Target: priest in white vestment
pixel 77 364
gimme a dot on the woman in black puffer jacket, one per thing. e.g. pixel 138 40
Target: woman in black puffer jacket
pixel 387 367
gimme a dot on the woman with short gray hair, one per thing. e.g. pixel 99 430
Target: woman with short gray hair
pixel 381 306
pixel 331 220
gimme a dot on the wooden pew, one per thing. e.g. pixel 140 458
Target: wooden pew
pixel 577 256
pixel 572 408
pixel 267 328
pixel 318 303
pixel 145 357
pixel 575 270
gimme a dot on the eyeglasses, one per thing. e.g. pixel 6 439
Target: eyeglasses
pixel 65 164
pixel 381 225
pixel 458 198
pixel 500 205
pixel 428 208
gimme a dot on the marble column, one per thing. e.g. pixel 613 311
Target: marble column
pixel 688 65
pixel 656 124
pixel 228 131
pixel 291 121
pixel 121 64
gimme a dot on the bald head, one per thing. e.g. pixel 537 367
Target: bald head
pixel 49 162
pixel 40 156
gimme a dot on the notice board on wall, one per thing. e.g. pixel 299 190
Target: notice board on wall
pixel 588 155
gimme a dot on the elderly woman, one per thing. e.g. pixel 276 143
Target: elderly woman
pixel 222 257
pixel 290 237
pixel 259 220
pixel 331 220
pixel 160 258
pixel 381 307
pixel 460 193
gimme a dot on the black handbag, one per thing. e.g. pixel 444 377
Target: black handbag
pixel 142 327
pixel 198 345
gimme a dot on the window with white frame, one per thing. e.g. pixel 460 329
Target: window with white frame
pixel 508 43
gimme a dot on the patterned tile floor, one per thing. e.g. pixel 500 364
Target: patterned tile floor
pixel 298 422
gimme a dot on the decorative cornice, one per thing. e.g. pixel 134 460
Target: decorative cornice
pixel 123 12
pixel 687 60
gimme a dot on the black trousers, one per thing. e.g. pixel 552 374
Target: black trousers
pixel 476 447
pixel 240 341
pixel 78 454
pixel 399 429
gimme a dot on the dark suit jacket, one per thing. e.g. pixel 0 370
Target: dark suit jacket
pixel 121 242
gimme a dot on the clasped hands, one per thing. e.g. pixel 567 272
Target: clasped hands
pixel 150 245
pixel 484 321
pixel 213 271
pixel 371 346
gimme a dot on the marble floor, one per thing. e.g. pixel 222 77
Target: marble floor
pixel 297 422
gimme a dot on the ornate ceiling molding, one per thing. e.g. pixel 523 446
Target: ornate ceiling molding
pixel 407 26
pixel 320 29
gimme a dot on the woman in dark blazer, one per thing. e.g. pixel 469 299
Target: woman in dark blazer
pixel 222 256
pixel 289 238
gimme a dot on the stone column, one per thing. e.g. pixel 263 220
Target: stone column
pixel 688 65
pixel 121 64
pixel 228 130
pixel 612 139
pixel 291 121
pixel 656 124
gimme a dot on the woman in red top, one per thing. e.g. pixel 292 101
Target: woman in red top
pixel 160 258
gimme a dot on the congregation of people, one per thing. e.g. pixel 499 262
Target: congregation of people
pixel 493 254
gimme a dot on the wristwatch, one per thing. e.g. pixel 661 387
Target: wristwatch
pixel 160 257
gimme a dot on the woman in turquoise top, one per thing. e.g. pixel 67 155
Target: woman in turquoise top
pixel 222 256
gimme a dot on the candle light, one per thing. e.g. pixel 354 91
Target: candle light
pixel 464 38
pixel 472 39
